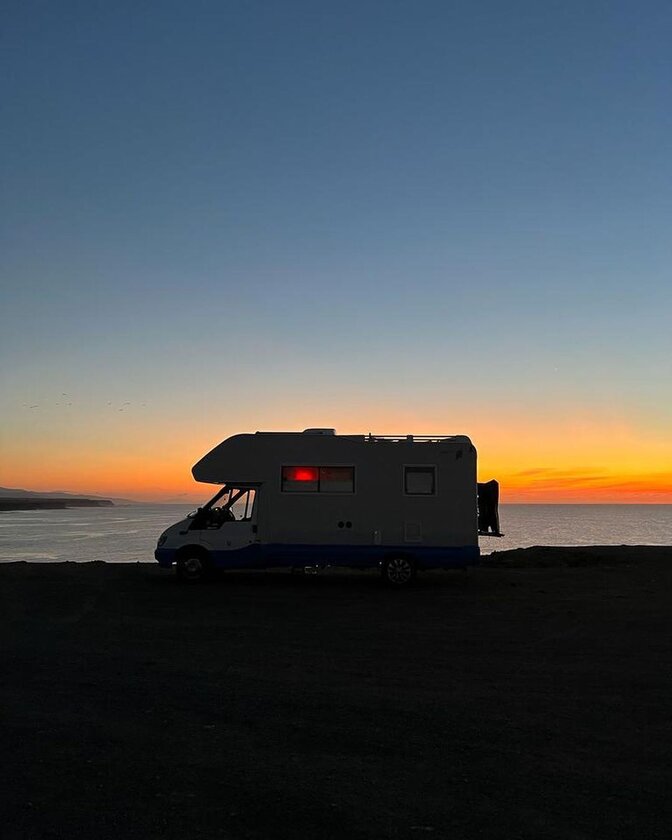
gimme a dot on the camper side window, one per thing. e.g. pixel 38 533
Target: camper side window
pixel 302 479
pixel 420 481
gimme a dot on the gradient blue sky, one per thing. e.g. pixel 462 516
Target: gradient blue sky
pixel 411 216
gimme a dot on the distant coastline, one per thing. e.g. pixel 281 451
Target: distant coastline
pixel 44 503
pixel 16 498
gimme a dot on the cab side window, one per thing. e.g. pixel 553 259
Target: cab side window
pixel 243 506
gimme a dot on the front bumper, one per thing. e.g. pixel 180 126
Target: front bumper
pixel 165 557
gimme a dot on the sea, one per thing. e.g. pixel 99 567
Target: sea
pixel 128 534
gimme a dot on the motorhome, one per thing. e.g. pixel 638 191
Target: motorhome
pixel 313 499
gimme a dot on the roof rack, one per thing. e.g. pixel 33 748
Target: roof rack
pixel 371 438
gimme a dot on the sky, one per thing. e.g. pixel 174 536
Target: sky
pixel 394 217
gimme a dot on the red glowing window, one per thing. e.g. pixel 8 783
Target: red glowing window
pixel 300 474
pixel 302 479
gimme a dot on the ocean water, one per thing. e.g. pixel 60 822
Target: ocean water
pixel 527 525
pixel 120 534
pixel 129 534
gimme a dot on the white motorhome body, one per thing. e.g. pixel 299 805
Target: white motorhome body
pixel 318 498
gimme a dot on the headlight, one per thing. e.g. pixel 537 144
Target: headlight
pixel 161 540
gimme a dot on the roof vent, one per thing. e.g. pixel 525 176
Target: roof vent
pixel 319 431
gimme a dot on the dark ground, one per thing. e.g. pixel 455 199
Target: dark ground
pixel 513 702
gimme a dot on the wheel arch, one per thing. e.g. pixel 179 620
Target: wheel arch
pixel 403 554
pixel 192 550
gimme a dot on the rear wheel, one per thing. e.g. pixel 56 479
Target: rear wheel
pixel 398 572
pixel 193 567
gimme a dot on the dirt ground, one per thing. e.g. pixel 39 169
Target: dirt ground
pixel 529 698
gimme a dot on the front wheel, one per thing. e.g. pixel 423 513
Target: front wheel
pixel 398 572
pixel 193 568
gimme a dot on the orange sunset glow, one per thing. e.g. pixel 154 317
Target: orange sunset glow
pixel 576 460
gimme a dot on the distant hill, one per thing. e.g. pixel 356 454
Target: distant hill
pixel 14 493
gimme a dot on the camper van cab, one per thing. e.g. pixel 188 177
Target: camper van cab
pixel 316 499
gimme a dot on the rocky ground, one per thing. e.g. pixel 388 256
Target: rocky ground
pixel 527 698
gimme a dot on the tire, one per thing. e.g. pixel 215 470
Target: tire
pixel 193 567
pixel 398 572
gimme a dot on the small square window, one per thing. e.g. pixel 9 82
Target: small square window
pixel 420 481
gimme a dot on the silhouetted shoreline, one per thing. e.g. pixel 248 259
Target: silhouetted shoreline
pixel 39 503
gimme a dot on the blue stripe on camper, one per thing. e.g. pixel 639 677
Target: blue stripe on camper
pixel 361 556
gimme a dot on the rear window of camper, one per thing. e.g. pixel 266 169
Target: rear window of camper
pixel 420 481
pixel 304 479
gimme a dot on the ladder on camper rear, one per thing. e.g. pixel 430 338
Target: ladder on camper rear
pixel 488 509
